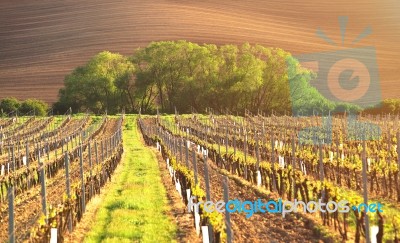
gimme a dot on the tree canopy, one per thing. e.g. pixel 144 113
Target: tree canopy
pixel 188 76
pixel 9 105
pixel 102 84
pixel 13 106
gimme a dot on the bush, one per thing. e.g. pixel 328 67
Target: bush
pixel 39 108
pixel 9 105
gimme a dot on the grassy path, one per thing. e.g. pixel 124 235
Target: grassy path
pixel 135 207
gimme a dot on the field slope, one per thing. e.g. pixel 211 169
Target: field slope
pixel 43 40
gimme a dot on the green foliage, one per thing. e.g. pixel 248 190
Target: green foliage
pixel 32 105
pixel 9 105
pixel 391 106
pixel 305 98
pixel 346 107
pixel 128 126
pixel 188 76
pixel 99 85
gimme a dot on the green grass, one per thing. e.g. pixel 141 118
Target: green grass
pixel 135 207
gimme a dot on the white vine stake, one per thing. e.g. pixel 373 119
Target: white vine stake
pixel 197 220
pixel 206 237
pixel 53 235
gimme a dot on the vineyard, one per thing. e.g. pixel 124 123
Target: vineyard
pixel 289 126
pixel 50 169
pixel 227 157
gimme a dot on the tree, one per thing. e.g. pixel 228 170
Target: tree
pixel 185 75
pixel 104 83
pixel 9 105
pixel 305 99
pixel 34 106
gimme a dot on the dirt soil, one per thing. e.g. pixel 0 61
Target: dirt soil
pixel 258 228
pixel 42 41
pixel 28 205
pixel 184 220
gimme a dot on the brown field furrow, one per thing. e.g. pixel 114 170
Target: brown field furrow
pixel 41 41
